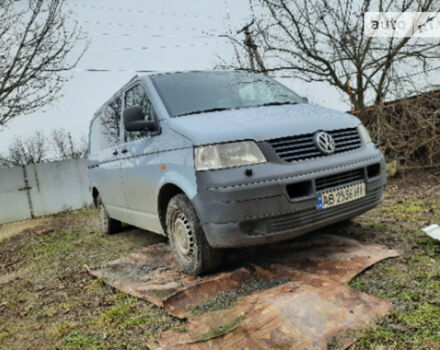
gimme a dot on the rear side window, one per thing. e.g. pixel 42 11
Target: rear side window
pixel 105 129
pixel 138 97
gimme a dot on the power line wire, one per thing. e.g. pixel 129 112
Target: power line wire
pixel 402 76
pixel 130 35
pixel 99 70
pixel 145 48
pixel 103 70
pixel 150 12
pixel 131 26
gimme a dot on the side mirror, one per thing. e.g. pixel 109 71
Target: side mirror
pixel 134 120
pixel 305 100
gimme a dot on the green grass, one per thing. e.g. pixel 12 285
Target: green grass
pixel 126 313
pixel 409 209
pixel 417 328
pixel 56 304
pixel 118 313
pixel 219 330
pixel 77 213
pixel 378 226
pixel 77 341
pixel 61 329
pixel 411 282
pixel 3 335
pixel 57 308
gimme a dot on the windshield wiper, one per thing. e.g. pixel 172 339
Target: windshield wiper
pixel 277 104
pixel 218 109
pixel 204 111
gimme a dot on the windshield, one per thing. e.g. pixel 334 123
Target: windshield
pixel 197 92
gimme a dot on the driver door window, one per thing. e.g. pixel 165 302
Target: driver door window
pixel 138 97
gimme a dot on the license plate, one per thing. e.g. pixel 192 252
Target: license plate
pixel 340 195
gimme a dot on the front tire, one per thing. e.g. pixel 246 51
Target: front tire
pixel 187 239
pixel 107 225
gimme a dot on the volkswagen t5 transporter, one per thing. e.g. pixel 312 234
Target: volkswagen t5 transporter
pixel 227 159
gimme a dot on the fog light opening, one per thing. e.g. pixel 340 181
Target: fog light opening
pixel 247 226
pixel 373 170
pixel 300 189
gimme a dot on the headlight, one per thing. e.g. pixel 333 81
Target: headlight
pixel 228 155
pixel 365 136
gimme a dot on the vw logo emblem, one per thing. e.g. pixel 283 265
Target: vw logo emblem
pixel 325 142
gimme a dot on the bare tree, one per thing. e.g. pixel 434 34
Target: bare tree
pixel 39 148
pixel 110 121
pixel 26 150
pixel 324 41
pixel 3 162
pixel 37 40
pixel 66 147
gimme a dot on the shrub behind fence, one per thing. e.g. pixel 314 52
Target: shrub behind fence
pixel 407 131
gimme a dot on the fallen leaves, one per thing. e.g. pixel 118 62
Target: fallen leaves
pixel 44 232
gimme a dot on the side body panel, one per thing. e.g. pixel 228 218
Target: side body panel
pixel 143 175
pixel 107 177
pixel 103 159
pixel 150 162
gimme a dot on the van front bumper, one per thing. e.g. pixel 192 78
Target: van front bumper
pixel 237 209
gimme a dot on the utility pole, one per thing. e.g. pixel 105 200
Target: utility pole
pixel 252 49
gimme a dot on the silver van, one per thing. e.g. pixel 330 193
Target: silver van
pixel 227 159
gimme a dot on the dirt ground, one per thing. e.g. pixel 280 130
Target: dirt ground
pixel 49 301
pixel 9 230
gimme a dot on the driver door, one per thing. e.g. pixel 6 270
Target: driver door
pixel 141 163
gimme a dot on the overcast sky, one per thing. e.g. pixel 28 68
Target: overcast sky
pixel 166 35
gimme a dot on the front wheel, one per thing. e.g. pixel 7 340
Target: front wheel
pixel 106 223
pixel 187 239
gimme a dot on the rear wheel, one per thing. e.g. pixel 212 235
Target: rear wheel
pixel 106 223
pixel 187 239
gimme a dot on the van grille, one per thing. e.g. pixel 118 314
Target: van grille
pixel 302 147
pixel 340 179
pixel 312 216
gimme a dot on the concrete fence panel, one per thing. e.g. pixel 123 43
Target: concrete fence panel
pixel 14 200
pixel 59 186
pixel 43 189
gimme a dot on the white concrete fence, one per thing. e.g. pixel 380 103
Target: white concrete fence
pixel 42 189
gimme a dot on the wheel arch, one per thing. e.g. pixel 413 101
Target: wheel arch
pixel 174 182
pixel 95 195
pixel 166 192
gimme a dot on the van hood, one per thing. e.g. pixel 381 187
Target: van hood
pixel 260 123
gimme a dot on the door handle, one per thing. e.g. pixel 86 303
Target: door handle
pixel 115 153
pixel 124 151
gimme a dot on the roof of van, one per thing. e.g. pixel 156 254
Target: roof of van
pixel 152 74
pixel 201 71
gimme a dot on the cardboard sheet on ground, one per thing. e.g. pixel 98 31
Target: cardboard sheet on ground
pixel 311 304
